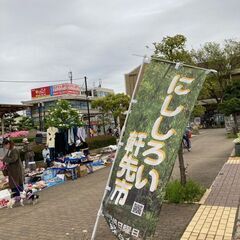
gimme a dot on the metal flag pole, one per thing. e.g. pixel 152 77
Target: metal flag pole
pixel 107 188
pixel 183 64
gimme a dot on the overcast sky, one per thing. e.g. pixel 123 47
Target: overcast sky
pixel 41 40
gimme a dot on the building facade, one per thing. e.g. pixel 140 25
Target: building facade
pixel 45 98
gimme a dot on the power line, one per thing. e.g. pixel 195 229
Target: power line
pixel 38 81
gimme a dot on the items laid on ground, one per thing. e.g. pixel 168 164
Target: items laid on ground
pixel 68 167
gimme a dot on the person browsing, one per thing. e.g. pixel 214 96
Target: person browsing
pixel 14 168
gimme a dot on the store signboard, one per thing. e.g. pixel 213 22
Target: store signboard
pixel 56 90
pixel 65 88
pixel 149 147
pixel 41 92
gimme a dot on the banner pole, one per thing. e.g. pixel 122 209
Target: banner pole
pixel 119 145
pixel 183 64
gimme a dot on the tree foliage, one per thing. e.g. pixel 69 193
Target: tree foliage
pixel 198 111
pixel 116 104
pixel 63 116
pixel 224 59
pixel 231 99
pixel 231 102
pixel 26 123
pixel 10 120
pixel 173 49
pixel 230 106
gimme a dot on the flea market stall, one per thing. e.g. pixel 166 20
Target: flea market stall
pixel 66 155
pixel 69 167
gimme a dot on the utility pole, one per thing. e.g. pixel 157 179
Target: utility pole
pixel 40 115
pixel 88 112
pixel 70 76
pixel 44 116
pixel 2 120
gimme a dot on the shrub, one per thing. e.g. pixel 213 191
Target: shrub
pixel 19 140
pixel 177 193
pixel 100 141
pixel 231 135
pixel 193 191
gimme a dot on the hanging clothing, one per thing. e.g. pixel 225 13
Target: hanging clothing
pixel 61 143
pixel 81 133
pixel 70 136
pixel 51 136
pixel 75 129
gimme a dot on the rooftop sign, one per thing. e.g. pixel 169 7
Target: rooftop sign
pixel 56 90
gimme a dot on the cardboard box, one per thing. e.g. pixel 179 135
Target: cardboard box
pixel 82 171
pixel 108 164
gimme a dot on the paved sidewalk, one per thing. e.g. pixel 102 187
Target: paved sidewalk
pixel 75 203
pixel 216 217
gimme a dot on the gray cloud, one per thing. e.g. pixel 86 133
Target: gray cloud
pixel 42 40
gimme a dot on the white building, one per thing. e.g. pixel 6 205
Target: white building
pixel 46 97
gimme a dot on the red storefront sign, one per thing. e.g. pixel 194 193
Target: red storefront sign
pixel 56 90
pixel 41 92
pixel 65 88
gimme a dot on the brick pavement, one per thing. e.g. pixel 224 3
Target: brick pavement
pixel 216 217
pixel 74 204
pixel 70 205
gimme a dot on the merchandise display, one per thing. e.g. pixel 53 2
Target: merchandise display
pixel 71 166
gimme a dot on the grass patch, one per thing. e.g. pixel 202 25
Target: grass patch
pixel 231 135
pixel 177 193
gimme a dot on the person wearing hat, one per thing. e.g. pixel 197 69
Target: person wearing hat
pixel 14 168
pixel 28 152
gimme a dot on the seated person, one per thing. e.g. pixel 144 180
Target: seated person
pixel 46 156
pixel 83 146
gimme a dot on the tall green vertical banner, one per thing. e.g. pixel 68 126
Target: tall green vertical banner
pixel 149 147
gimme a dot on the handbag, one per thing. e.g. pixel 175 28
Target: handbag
pixel 2 165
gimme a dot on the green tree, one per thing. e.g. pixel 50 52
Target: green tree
pixel 198 111
pixel 63 116
pixel 231 103
pixel 9 120
pixel 100 103
pixel 116 104
pixel 173 49
pixel 103 120
pixel 224 59
pixel 26 123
